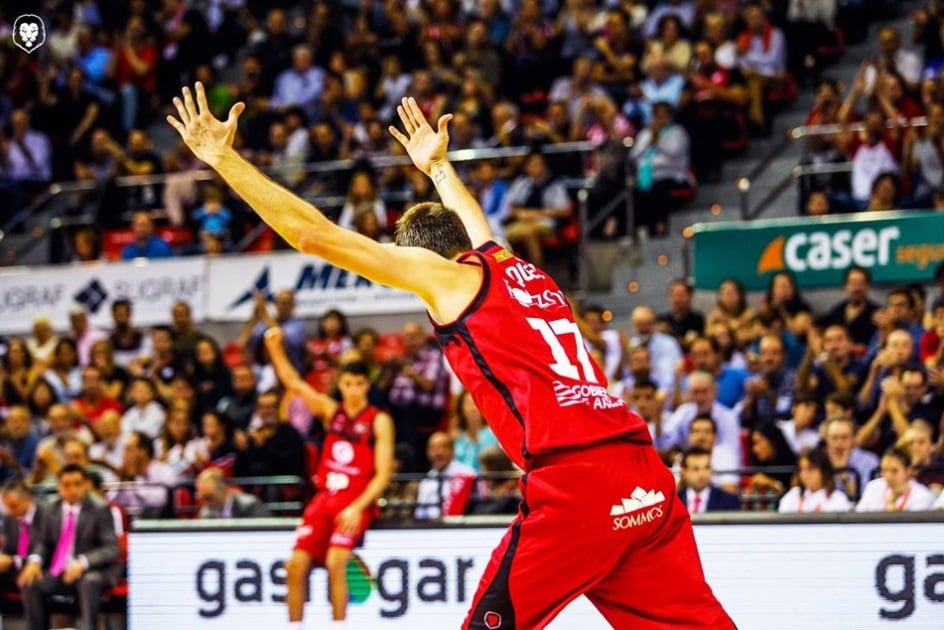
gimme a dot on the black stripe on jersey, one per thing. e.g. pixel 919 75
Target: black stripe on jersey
pixel 495 608
pixel 445 332
pixel 466 336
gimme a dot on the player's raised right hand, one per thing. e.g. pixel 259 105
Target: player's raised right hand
pixel 424 146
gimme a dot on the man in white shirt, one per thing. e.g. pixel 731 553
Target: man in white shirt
pixel 703 434
pixel 25 163
pixel 905 63
pixel 664 350
pixel 696 490
pixel 703 390
pixel 447 486
pixel 146 481
pixel 839 434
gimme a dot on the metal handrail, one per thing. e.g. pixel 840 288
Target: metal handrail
pixel 821 169
pixel 805 131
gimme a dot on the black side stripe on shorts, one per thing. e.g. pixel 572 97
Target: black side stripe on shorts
pixel 466 336
pixel 495 610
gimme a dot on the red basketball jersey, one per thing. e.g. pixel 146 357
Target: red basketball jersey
pixel 519 352
pixel 347 459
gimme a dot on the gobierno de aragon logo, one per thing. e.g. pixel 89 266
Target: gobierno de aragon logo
pixel 29 32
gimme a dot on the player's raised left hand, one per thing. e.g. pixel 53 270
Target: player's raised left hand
pixel 425 146
pixel 206 136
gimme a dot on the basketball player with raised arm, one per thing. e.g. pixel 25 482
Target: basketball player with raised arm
pixel 600 516
pixel 354 470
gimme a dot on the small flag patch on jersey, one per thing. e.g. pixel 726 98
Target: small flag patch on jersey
pixel 502 255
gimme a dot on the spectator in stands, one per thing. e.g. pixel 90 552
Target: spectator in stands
pixel 893 58
pixel 472 433
pixel 209 375
pixel 64 373
pixel 40 346
pixel 73 111
pixel 240 403
pixel 696 489
pixel 499 492
pixel 275 446
pixel 732 310
pixel 21 517
pixel 96 164
pixel 92 402
pixel 577 87
pixel 895 490
pixel 222 501
pixel 19 375
pixel 618 54
pixel 661 154
pixel 770 449
pixel 146 244
pixel 671 44
pixel 145 414
pixel 178 446
pixel 218 445
pixel 186 334
pixel 19 444
pixel 492 194
pixel 701 386
pixel 75 452
pixel 72 548
pixel 901 401
pixel 644 400
pixel 608 342
pixel 901 312
pixel 918 442
pixel 815 490
pixel 663 84
pixel 108 451
pixel 332 340
pixel 84 334
pixel 683 321
pixel 362 197
pixel 539 203
pixel 25 162
pixel 808 29
pixel 770 393
pixel 829 365
pixel 417 386
pixel 664 350
pixel 922 156
pixel 784 297
pixel 139 158
pixel 293 328
pixel 932 348
pixel 885 193
pixel 799 430
pixel 703 434
pixel 49 452
pixel 873 151
pixel 136 72
pixel 705 355
pixel 147 481
pixel 839 435
pixel 890 361
pixel 212 217
pixel 762 58
pixel 128 342
pixel 115 377
pixel 855 312
pixel 638 367
pixel 448 484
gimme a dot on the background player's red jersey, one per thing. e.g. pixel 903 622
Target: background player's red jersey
pixel 519 352
pixel 347 459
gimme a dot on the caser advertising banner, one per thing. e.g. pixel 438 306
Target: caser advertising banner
pixel 769 577
pixel 152 286
pixel 895 246
pixel 318 285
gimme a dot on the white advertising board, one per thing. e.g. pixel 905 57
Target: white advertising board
pixel 318 287
pixel 777 577
pixel 152 287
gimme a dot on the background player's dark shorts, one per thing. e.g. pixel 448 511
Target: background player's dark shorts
pixel 317 530
pixel 603 522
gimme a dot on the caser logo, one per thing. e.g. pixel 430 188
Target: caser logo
pixel 821 250
pixel 633 512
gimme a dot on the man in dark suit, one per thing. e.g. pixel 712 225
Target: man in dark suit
pixel 73 550
pixel 696 490
pixel 221 501
pixel 21 515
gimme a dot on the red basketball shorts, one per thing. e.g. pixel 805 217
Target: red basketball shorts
pixel 604 522
pixel 317 530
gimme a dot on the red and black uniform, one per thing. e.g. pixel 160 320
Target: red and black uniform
pixel 600 515
pixel 345 469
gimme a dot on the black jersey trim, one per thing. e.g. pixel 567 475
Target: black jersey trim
pixel 463 332
pixel 444 332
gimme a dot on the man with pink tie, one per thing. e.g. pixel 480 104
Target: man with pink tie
pixel 73 550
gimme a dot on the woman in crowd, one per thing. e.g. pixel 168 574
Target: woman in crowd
pixel 770 448
pixel 178 445
pixel 64 373
pixel 115 377
pixel 18 375
pixel 210 377
pixel 472 434
pixel 362 196
pixel 217 448
pixel 895 490
pixel 731 309
pixel 145 414
pixel 816 487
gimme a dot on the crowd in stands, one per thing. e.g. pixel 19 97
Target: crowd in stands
pixel 322 81
pixel 887 126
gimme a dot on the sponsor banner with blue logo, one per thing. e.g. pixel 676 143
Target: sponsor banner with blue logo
pixel 896 247
pixel 152 286
pixel 769 576
pixel 318 285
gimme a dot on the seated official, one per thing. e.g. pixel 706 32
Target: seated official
pixel 21 514
pixel 696 491
pixel 816 489
pixel 221 501
pixel 73 550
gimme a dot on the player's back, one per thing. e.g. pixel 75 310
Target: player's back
pixel 519 352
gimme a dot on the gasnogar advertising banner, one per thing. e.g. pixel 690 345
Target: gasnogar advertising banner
pixel 896 247
pixel 152 287
pixel 318 286
pixel 769 577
